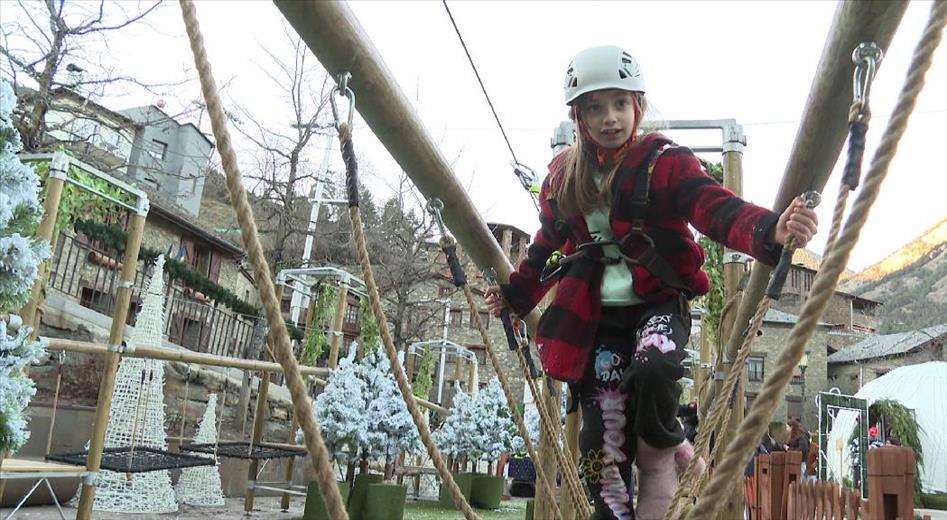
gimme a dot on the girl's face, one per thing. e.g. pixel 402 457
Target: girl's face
pixel 609 115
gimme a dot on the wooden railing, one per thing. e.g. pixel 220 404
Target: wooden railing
pixel 776 491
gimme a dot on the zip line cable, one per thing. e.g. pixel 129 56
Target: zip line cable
pixel 526 176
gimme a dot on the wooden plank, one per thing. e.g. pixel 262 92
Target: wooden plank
pixel 37 466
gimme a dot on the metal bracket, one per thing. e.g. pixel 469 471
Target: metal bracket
pixel 59 166
pixel 143 205
pixel 123 348
pixel 126 284
pixel 735 257
pixel 719 376
pixel 251 484
pixel 91 479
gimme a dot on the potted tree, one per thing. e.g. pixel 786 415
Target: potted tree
pixel 455 439
pixel 343 431
pixel 492 437
pixel 390 432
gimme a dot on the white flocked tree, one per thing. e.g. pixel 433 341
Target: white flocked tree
pixel 455 436
pixel 20 256
pixel 200 486
pixel 390 430
pixel 494 423
pixel 338 410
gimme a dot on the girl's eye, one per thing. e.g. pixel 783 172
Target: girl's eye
pixel 594 107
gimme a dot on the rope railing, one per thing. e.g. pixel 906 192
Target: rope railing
pixel 261 270
pixel 741 446
pixel 374 298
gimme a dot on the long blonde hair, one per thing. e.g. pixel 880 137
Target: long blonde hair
pixel 573 183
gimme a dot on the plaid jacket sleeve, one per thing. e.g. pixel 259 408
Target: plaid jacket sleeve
pixel 719 214
pixel 525 291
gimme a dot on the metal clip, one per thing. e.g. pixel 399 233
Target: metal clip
pixel 91 479
pixel 343 90
pixel 866 57
pixel 434 207
pixel 522 336
pixel 127 284
pixel 811 198
pixel 123 348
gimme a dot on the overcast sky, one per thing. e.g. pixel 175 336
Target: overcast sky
pixel 751 61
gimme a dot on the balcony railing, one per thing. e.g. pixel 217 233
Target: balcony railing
pixel 91 275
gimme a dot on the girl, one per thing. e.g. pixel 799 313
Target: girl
pixel 617 206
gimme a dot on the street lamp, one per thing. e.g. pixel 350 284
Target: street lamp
pixel 803 365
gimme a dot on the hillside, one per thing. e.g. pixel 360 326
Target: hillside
pixel 911 282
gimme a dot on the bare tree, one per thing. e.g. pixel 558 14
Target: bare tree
pixel 281 171
pixel 50 42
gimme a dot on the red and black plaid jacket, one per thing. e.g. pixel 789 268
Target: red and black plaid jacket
pixel 681 193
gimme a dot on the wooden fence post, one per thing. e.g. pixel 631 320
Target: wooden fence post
pixel 891 483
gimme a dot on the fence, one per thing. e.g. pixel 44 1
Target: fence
pixel 776 491
pixel 91 275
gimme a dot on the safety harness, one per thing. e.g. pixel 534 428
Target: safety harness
pixel 594 251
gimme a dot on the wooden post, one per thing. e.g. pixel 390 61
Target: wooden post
pixel 732 272
pixel 341 304
pixel 288 476
pixel 471 375
pixel 573 425
pixel 116 336
pixel 58 170
pixel 891 483
pixel 259 420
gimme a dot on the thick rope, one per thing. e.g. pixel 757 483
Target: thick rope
pixel 553 430
pixel 261 271
pixel 838 215
pixel 719 415
pixel 740 449
pixel 511 401
pixel 368 276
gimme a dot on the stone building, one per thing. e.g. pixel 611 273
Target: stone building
pixel 873 357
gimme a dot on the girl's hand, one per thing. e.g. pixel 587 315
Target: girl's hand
pixel 495 302
pixel 798 221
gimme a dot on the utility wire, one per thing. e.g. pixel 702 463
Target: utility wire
pixel 526 176
pixel 482 87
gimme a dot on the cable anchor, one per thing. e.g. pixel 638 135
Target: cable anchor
pixel 866 57
pixel 343 90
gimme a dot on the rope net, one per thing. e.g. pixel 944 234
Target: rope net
pixel 201 486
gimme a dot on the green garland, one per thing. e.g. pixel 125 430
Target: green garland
pixel 901 422
pixel 316 338
pixel 369 333
pixel 425 376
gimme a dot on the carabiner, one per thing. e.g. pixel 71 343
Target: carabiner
pixel 343 90
pixel 866 57
pixel 522 335
pixel 434 207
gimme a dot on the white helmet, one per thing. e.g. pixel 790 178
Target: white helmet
pixel 601 68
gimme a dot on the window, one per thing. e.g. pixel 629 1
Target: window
pixel 755 368
pixel 481 352
pixel 456 318
pixel 793 406
pixel 484 319
pixel 750 397
pixel 351 314
pixel 158 150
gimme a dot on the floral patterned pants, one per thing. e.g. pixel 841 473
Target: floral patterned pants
pixel 630 389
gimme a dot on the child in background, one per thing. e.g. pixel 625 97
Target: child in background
pixel 617 205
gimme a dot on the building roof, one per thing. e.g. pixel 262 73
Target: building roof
pixel 176 215
pixel 888 344
pixel 772 316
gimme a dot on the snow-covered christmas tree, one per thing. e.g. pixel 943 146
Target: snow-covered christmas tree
pixel 200 486
pixel 494 423
pixel 137 416
pixel 390 430
pixel 339 410
pixel 455 436
pixel 20 256
pixel 531 418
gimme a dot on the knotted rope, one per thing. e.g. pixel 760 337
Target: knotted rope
pixel 261 271
pixel 740 448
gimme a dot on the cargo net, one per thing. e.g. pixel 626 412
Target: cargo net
pixel 244 450
pixel 139 460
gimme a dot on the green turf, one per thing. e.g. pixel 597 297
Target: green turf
pixel 509 510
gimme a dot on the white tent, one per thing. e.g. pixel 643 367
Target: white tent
pixel 923 388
